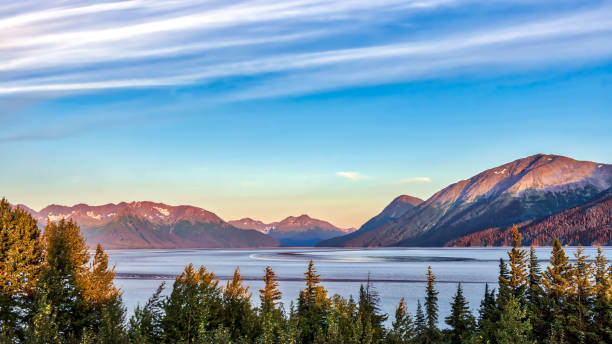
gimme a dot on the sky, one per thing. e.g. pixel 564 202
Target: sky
pixel 266 109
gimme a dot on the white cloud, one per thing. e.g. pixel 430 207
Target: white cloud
pixel 415 180
pixel 140 44
pixel 351 175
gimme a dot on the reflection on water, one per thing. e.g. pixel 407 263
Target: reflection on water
pixel 396 272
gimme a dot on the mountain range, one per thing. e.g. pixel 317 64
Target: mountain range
pixel 153 225
pixel 295 231
pixel 546 196
pixel 533 191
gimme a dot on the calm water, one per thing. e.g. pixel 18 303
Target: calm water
pixel 396 272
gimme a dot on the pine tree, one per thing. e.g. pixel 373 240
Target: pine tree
pixel 580 298
pixel 402 328
pixel 556 277
pixel 44 327
pixel 504 290
pixel 65 262
pixel 270 295
pixel 461 320
pixel 20 267
pixel 488 314
pixel 537 308
pixel 313 306
pixel 369 312
pixel 555 281
pixel 517 260
pixel 195 299
pixel 513 328
pixel 602 307
pixel 145 324
pixel 419 320
pixel 432 333
pixel 240 318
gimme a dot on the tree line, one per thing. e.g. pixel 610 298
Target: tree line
pixel 54 291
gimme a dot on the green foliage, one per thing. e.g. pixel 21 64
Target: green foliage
pixel 145 325
pixel 513 327
pixel 461 320
pixel 431 333
pixel 402 328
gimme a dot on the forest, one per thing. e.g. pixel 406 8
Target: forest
pixel 53 290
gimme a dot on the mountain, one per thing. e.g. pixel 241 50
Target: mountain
pixel 586 224
pixel 519 191
pixel 249 223
pixel 153 225
pixel 295 231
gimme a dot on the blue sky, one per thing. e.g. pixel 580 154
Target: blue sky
pixel 268 109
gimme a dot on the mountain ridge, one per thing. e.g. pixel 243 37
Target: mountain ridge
pixel 521 190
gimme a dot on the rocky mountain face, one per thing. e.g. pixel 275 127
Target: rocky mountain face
pixel 153 225
pixel 586 224
pixel 519 191
pixel 295 231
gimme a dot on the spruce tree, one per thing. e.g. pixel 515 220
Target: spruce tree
pixel 513 328
pixel 580 299
pixel 20 267
pixel 419 319
pixel 461 320
pixel 555 281
pixel 517 261
pixel 240 318
pixel 313 305
pixel 504 290
pixel 145 325
pixel 537 306
pixel 369 312
pixel 402 328
pixel 432 333
pixel 602 307
pixel 488 314
pixel 195 300
pixel 65 263
pixel 270 295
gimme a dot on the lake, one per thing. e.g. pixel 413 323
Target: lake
pixel 395 272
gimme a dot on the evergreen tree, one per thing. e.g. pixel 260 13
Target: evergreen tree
pixel 419 320
pixel 195 301
pixel 313 306
pixel 369 313
pixel 20 266
pixel 240 318
pixel 602 307
pixel 65 263
pixel 517 261
pixel 270 295
pixel 537 307
pixel 461 320
pixel 504 290
pixel 580 299
pixel 145 325
pixel 488 314
pixel 44 327
pixel 432 333
pixel 555 281
pixel 513 328
pixel 402 328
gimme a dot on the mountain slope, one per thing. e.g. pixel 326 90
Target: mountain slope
pixel 398 207
pixel 586 224
pixel 154 225
pixel 294 231
pixel 519 191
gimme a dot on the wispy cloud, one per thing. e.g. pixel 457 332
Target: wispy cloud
pixel 290 47
pixel 351 175
pixel 415 180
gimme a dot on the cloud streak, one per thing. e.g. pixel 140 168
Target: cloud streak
pixel 351 175
pixel 148 44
